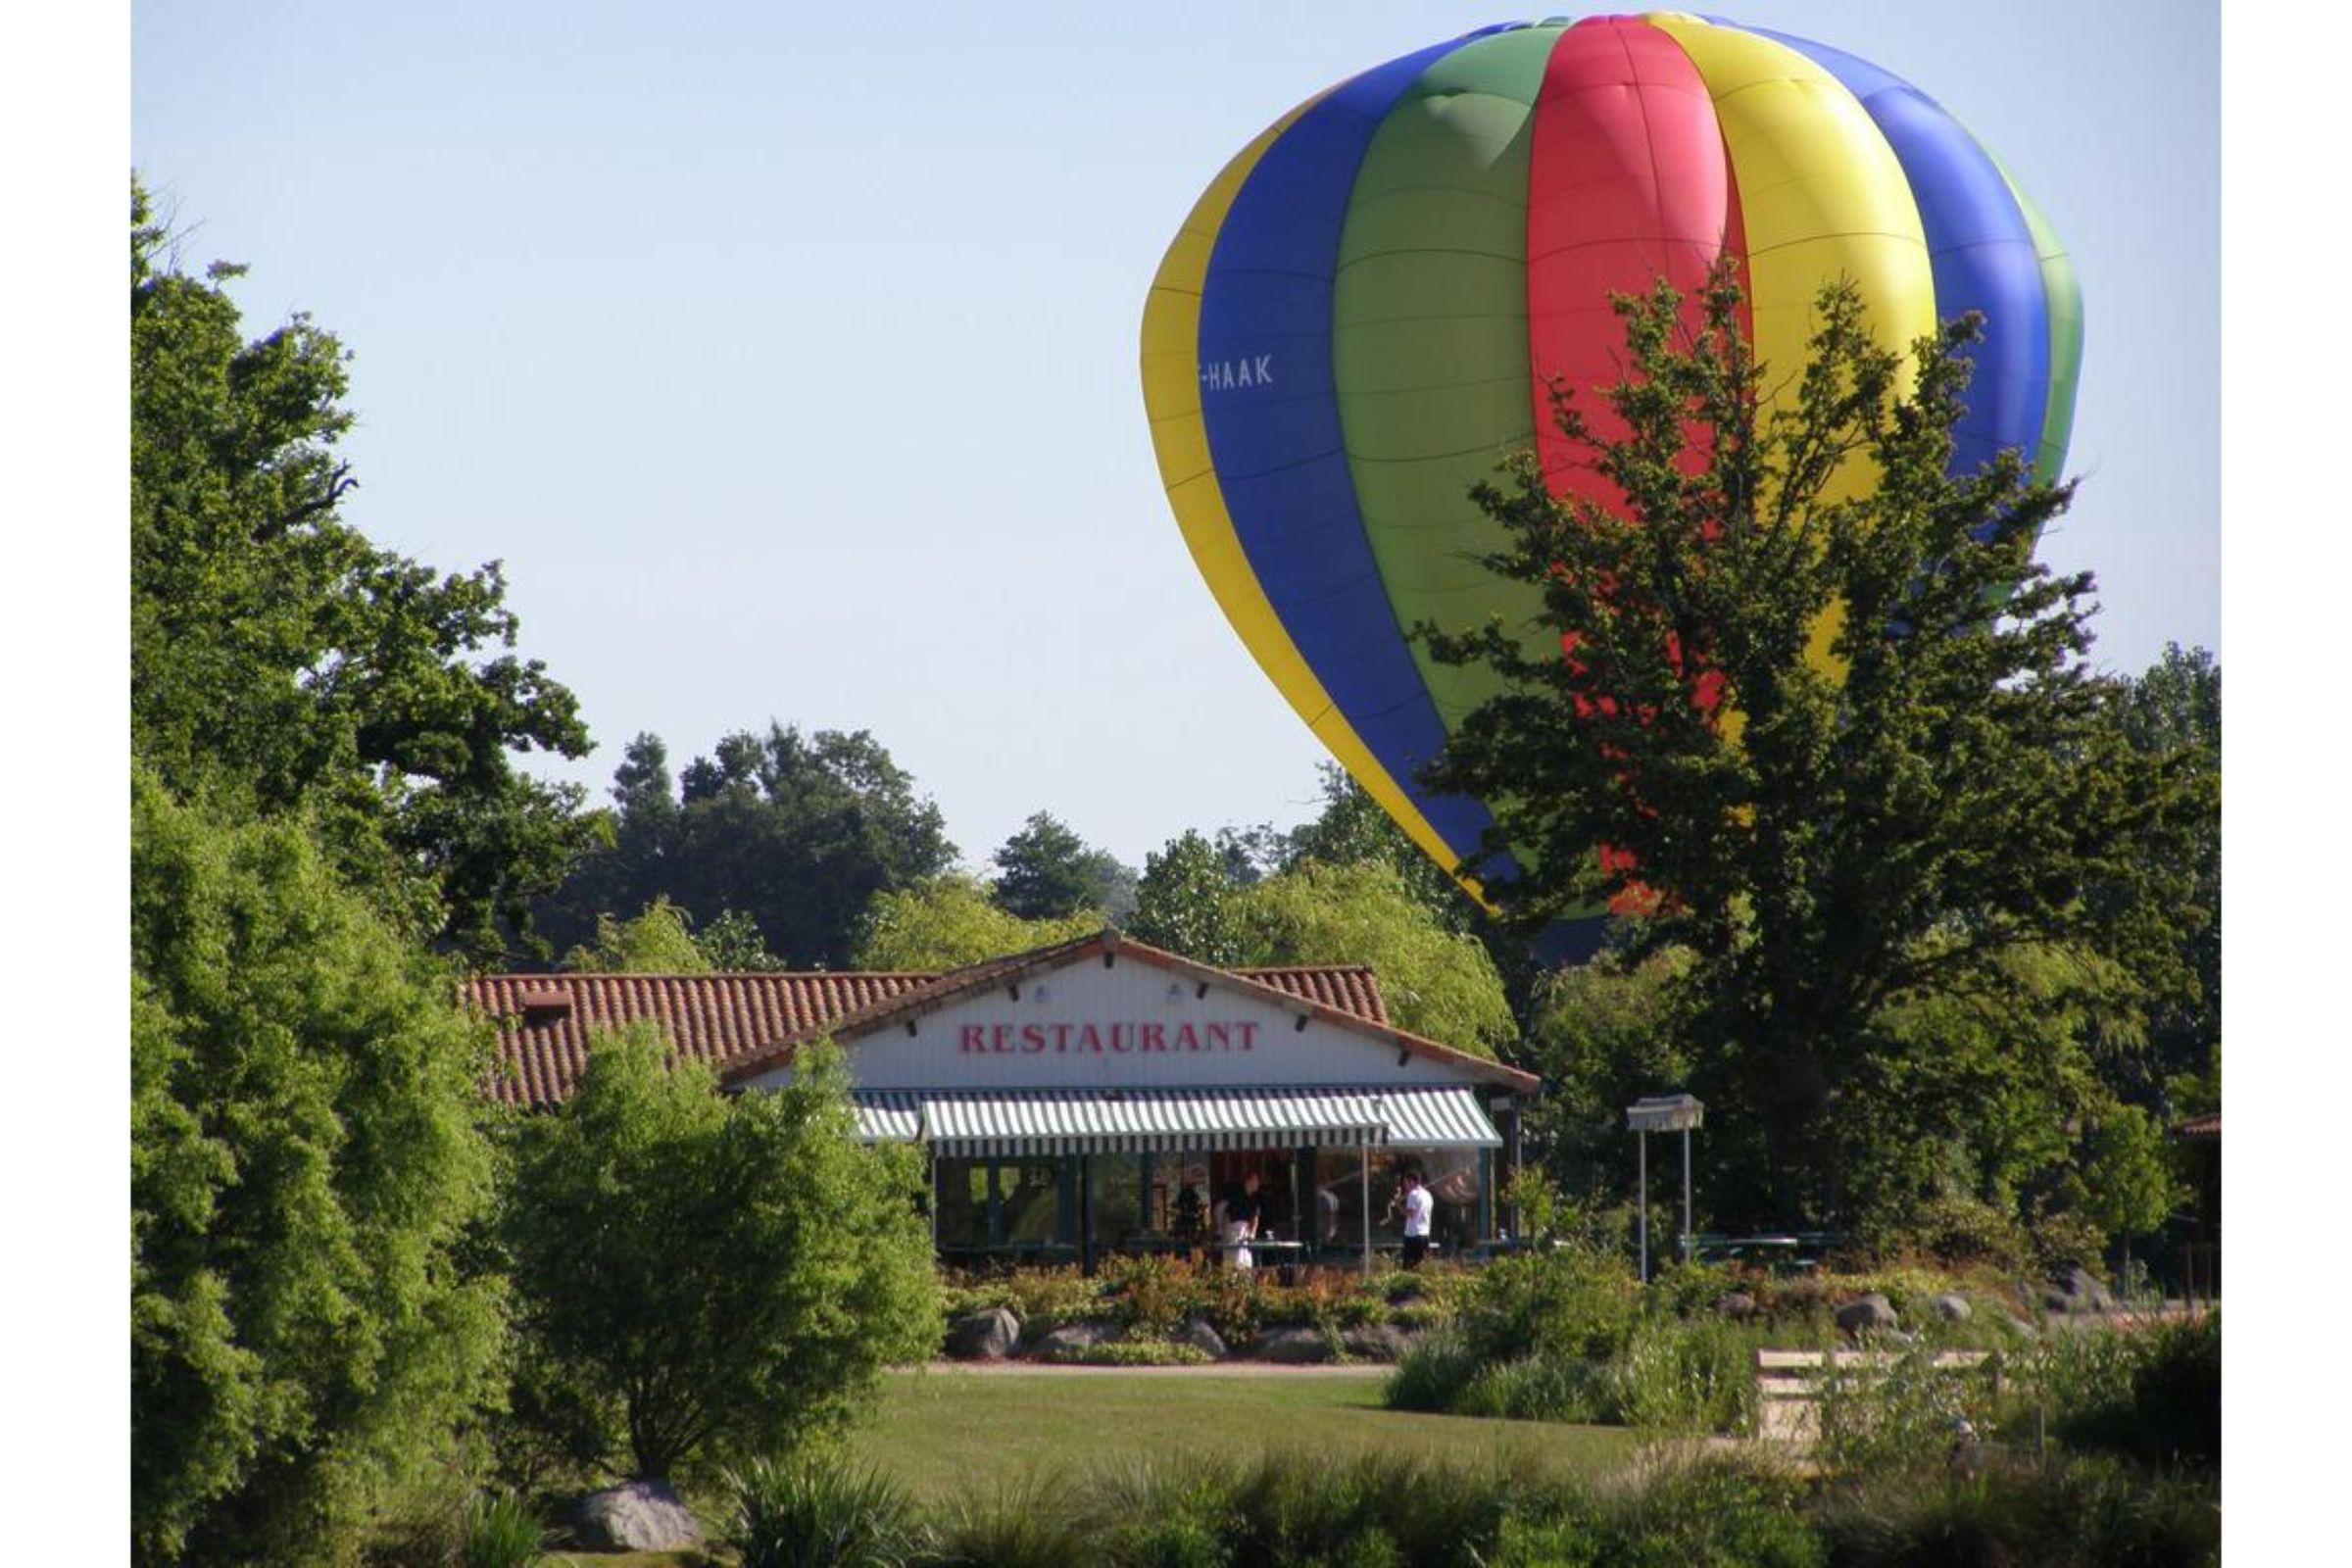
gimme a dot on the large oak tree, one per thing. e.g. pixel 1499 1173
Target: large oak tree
pixel 1830 719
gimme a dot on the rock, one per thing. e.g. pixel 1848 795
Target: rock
pixel 1738 1305
pixel 986 1335
pixel 1951 1307
pixel 2082 1292
pixel 1201 1337
pixel 1292 1347
pixel 1866 1315
pixel 642 1516
pixel 1380 1342
pixel 1074 1337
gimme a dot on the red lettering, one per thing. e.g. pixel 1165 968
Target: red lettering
pixel 1061 1037
pixel 1249 1035
pixel 1001 1039
pixel 1220 1036
pixel 973 1038
pixel 1090 1039
pixel 1118 1040
pixel 1186 1040
pixel 1156 1037
pixel 1033 1040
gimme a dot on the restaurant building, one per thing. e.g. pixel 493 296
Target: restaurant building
pixel 1093 1095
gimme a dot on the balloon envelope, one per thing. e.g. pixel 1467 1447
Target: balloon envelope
pixel 1363 313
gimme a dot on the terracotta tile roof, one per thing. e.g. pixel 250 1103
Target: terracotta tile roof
pixel 2208 1125
pixel 545 1021
pixel 1348 987
pixel 958 982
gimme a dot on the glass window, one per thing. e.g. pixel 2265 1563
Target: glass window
pixel 1030 1199
pixel 1115 1183
pixel 963 1187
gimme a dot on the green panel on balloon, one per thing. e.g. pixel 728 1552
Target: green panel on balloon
pixel 2062 293
pixel 1429 346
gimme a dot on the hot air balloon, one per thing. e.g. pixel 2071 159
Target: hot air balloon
pixel 1364 312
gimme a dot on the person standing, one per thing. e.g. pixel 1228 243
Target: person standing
pixel 1242 1212
pixel 1418 1206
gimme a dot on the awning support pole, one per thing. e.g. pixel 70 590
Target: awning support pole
pixel 1686 1197
pixel 1363 1156
pixel 1642 1209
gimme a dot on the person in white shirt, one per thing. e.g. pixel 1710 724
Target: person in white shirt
pixel 1418 1206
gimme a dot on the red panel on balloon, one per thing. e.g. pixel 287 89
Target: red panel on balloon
pixel 1628 182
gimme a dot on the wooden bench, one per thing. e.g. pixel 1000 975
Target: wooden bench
pixel 1788 1384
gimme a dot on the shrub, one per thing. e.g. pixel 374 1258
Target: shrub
pixel 1536 1388
pixel 1435 1369
pixel 1906 1416
pixel 1291 1510
pixel 738 1270
pixel 1567 1301
pixel 1170 1514
pixel 1021 1524
pixel 818 1513
pixel 2152 1391
pixel 1690 1377
pixel 1712 1512
pixel 499 1531
pixel 2070 1513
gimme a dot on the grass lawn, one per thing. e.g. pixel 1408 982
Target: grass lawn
pixel 940 1431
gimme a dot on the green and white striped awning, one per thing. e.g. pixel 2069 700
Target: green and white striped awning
pixel 1111 1122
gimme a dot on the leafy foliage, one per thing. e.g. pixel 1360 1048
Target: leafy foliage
pixel 950 921
pixel 304 1164
pixel 817 1512
pixel 795 834
pixel 1824 710
pixel 657 941
pixel 725 1277
pixel 1047 872
pixel 1438 982
pixel 280 659
pixel 1184 902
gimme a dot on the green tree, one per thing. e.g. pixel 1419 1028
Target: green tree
pixel 305 1161
pixel 1951 786
pixel 1438 983
pixel 716 1277
pixel 658 941
pixel 1602 1035
pixel 1184 902
pixel 2174 708
pixel 795 833
pixel 280 658
pixel 732 944
pixel 1045 872
pixel 950 921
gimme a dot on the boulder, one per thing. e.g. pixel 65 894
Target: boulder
pixel 642 1516
pixel 1377 1342
pixel 1951 1307
pixel 990 1334
pixel 1201 1337
pixel 1074 1337
pixel 1293 1347
pixel 1867 1314
pixel 1738 1305
pixel 2080 1290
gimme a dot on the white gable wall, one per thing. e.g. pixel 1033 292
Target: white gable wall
pixel 1134 1026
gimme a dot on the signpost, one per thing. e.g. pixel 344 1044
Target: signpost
pixel 1662 1113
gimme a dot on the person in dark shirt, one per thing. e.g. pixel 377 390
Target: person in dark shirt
pixel 1241 1212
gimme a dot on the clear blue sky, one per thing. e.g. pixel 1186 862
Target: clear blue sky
pixel 788 358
